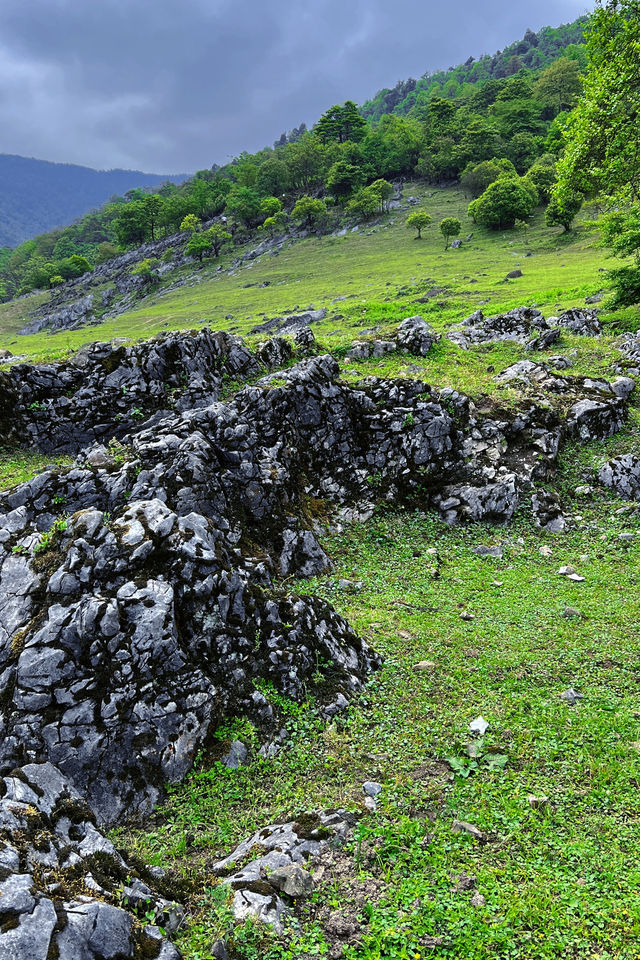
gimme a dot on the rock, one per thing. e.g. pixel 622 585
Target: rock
pixel 371 788
pixel 69 317
pixel 484 551
pixel 623 387
pixel 622 475
pixel 540 802
pixel 455 244
pixel 517 325
pixel 424 666
pixel 415 336
pixel 514 274
pixel 571 613
pixel 594 419
pixel 237 755
pixel 571 696
pixel 219 951
pixel 461 826
pixel 5 354
pixel 585 323
pixel 292 880
pixel 477 900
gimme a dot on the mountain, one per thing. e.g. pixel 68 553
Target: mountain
pixel 36 196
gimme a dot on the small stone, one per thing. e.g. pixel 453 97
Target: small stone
pixel 461 826
pixel 424 666
pixel 237 755
pixel 571 613
pixel 538 802
pixel 371 788
pixel 465 882
pixel 477 900
pixel 545 551
pixel 571 696
pixel 219 951
pixel 467 616
pixel 370 804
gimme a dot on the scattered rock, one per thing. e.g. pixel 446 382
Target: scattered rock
pixel 371 788
pixel 571 696
pixel 292 880
pixel 622 475
pixel 461 826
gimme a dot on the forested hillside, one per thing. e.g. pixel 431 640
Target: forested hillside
pixel 509 108
pixel 36 195
pixel 534 52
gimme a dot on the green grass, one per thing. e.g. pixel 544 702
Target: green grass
pixel 381 274
pixel 18 465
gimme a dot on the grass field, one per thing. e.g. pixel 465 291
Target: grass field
pixel 381 272
pixel 552 878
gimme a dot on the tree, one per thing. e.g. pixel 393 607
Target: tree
pixel 563 209
pixel 504 202
pixel 244 204
pixel 199 244
pixel 341 124
pixel 190 224
pixel 269 206
pixel 218 237
pixel 309 211
pixel 543 175
pixel 477 177
pixel 559 85
pixel 276 224
pixel 384 191
pixel 601 158
pixel 366 203
pixel 449 227
pixel 273 177
pixel 418 220
pixel 344 179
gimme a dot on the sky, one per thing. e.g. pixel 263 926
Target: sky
pixel 172 86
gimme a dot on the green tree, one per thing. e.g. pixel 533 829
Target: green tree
pixel 478 176
pixel 559 85
pixel 601 156
pixel 344 178
pixel 563 209
pixel 218 237
pixel 190 224
pixel 341 124
pixel 199 244
pixel 276 224
pixel 449 227
pixel 273 177
pixel 269 207
pixel 243 203
pixel 384 191
pixel 419 220
pixel 309 211
pixel 543 175
pixel 504 202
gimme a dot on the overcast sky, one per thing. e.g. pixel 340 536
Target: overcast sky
pixel 172 86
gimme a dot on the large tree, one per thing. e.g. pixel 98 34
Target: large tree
pixel 602 155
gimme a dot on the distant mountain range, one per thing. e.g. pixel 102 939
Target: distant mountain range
pixel 36 196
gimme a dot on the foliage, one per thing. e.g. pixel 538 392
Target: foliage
pixel 276 224
pixel 602 157
pixel 243 203
pixel 218 237
pixel 145 269
pixel 503 202
pixel 563 209
pixel 269 207
pixel 199 244
pixel 449 227
pixel 341 124
pixel 419 220
pixel 309 211
pixel 343 179
pixel 478 176
pixel 190 224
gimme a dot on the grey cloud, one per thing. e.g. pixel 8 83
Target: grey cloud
pixel 174 86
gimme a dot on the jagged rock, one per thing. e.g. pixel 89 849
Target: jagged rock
pixel 547 511
pixel 517 325
pixel 415 336
pixel 53 857
pixel 629 346
pixel 291 323
pixel 595 420
pixel 514 274
pixel 237 755
pixel 544 340
pixel 622 474
pixel 69 317
pixel 283 849
pixel 585 323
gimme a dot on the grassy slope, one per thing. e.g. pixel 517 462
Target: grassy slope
pixel 561 882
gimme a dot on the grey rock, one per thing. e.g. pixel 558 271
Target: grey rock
pixel 622 475
pixel 292 880
pixel 237 755
pixel 371 788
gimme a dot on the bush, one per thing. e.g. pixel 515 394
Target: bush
pixel 504 202
pixel 449 227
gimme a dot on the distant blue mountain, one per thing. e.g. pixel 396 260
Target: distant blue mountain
pixel 36 196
